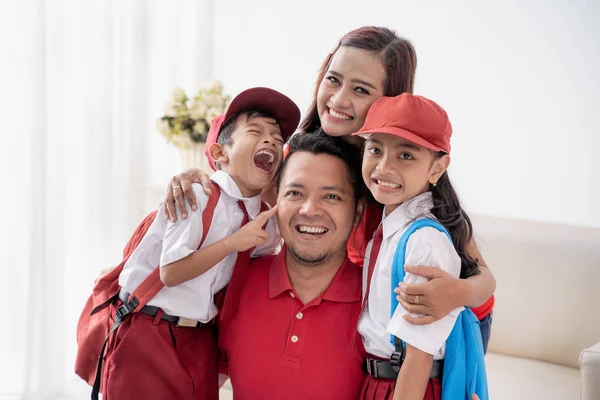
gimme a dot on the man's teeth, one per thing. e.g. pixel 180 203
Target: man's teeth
pixel 271 156
pixel 389 184
pixel 338 115
pixel 311 229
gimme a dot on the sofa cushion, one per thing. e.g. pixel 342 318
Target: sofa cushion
pixel 511 378
pixel 547 296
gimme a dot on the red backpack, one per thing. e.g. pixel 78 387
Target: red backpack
pixel 96 321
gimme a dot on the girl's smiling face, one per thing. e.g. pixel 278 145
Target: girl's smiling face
pixel 396 170
pixel 353 81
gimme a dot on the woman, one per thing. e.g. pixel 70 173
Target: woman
pixel 369 63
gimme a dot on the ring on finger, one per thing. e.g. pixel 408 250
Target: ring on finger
pixel 177 187
pixel 417 300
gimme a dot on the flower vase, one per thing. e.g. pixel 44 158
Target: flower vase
pixel 193 157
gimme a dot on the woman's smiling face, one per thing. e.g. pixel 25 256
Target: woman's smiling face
pixel 353 81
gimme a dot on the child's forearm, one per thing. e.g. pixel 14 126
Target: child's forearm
pixel 196 263
pixel 414 375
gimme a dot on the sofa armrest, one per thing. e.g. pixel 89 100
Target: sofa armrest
pixel 589 363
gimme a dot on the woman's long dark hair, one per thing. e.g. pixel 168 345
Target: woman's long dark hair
pixel 448 211
pixel 397 56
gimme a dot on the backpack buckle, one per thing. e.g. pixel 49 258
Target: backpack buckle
pixel 126 308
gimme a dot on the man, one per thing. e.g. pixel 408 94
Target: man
pixel 295 335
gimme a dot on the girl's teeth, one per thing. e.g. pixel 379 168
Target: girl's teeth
pixel 389 184
pixel 338 115
pixel 310 229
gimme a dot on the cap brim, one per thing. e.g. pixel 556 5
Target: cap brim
pixel 271 101
pixel 401 133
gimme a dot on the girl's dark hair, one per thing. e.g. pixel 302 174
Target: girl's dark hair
pixel 397 55
pixel 449 213
pixel 320 143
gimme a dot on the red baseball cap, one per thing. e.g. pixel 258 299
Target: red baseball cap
pixel 285 111
pixel 414 118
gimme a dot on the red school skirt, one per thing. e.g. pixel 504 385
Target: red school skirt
pixel 383 389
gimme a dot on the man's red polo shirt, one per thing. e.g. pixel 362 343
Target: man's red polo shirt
pixel 278 348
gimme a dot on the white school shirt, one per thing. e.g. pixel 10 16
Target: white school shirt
pixel 426 246
pixel 166 242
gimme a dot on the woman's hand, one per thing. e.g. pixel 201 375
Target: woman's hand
pixel 180 188
pixel 435 298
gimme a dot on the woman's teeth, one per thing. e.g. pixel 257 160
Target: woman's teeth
pixel 388 184
pixel 338 115
pixel 311 229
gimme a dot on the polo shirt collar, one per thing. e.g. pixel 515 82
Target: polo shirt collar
pixel 406 212
pixel 228 186
pixel 344 288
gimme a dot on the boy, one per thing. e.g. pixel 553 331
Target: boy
pixel 168 349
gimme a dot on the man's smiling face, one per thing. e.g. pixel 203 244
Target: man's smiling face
pixel 316 207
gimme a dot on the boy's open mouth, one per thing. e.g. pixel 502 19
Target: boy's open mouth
pixel 264 160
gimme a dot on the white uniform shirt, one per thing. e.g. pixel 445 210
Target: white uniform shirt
pixel 426 246
pixel 166 242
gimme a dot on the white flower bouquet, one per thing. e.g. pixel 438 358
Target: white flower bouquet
pixel 186 121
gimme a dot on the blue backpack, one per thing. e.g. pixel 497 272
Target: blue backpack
pixel 464 364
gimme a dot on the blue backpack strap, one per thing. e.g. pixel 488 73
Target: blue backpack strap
pixel 400 256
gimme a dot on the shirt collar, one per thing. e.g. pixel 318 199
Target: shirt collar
pixel 228 185
pixel 406 212
pixel 344 288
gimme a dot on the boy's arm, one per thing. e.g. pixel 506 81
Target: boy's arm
pixel 196 263
pixel 274 242
pixel 201 260
pixel 414 374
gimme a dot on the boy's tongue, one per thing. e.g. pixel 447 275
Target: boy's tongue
pixel 262 162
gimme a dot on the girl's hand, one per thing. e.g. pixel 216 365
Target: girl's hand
pixel 252 234
pixel 435 298
pixel 180 188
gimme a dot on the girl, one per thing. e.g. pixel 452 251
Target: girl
pixel 369 63
pixel 406 156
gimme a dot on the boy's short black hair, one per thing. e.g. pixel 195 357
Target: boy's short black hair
pixel 226 133
pixel 321 143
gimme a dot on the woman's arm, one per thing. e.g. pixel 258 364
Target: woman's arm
pixel 180 188
pixel 443 293
pixel 414 374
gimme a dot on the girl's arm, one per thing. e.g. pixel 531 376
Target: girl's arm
pixel 443 293
pixel 414 375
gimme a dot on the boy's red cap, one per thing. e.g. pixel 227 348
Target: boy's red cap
pixel 414 118
pixel 277 104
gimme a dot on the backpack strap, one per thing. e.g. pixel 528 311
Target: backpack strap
pixel 400 258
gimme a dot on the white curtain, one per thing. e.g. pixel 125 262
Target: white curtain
pixel 81 85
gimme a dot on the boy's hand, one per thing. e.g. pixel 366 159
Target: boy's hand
pixel 252 234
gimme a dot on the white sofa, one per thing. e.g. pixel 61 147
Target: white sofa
pixel 547 310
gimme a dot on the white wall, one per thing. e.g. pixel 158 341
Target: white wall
pixel 518 80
